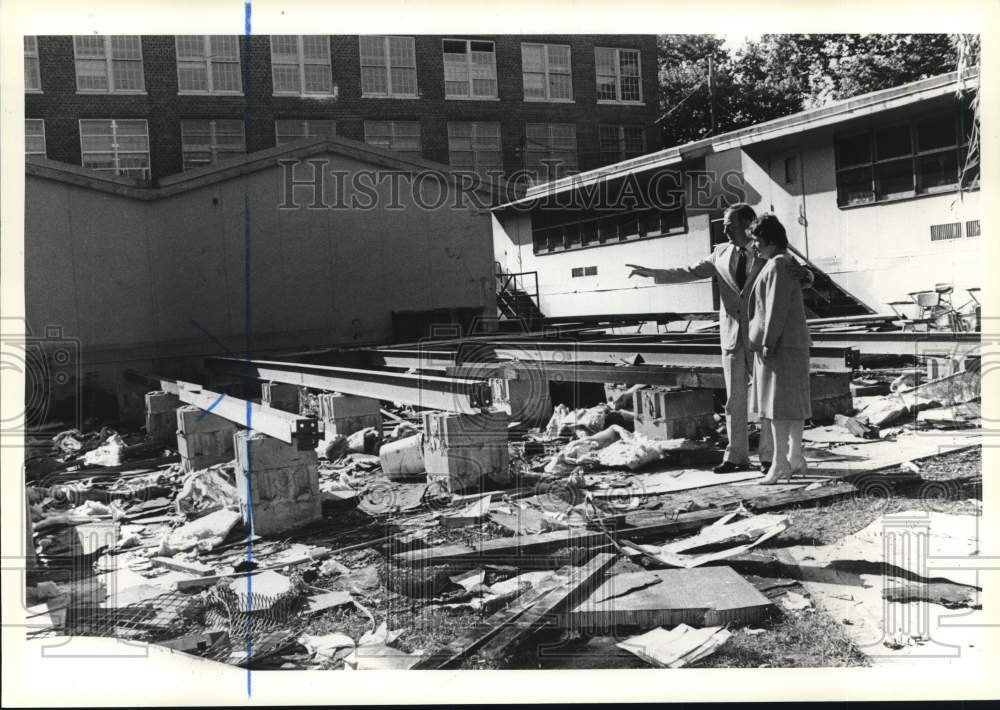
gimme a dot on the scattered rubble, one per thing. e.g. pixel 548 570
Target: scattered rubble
pixel 597 520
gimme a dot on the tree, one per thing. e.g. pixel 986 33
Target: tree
pixel 683 76
pixel 777 75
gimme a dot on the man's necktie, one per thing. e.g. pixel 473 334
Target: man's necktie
pixel 741 268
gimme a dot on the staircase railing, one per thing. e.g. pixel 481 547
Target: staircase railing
pixel 511 285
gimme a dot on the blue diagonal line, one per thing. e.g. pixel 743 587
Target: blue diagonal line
pixel 210 407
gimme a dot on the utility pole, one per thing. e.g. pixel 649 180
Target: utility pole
pixel 711 93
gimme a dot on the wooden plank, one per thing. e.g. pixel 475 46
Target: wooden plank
pixel 196 568
pixel 457 649
pixel 533 550
pixel 577 583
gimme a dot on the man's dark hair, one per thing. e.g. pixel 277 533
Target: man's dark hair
pixel 769 230
pixel 743 211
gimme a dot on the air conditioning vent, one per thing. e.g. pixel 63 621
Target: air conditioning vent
pixel 946 231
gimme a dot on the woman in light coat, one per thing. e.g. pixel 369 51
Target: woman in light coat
pixel 779 339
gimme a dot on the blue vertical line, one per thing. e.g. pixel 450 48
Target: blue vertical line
pixel 247 8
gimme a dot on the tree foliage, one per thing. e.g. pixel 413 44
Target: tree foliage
pixel 776 75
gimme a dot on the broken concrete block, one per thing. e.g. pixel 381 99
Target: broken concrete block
pixel 345 414
pixel 830 394
pixel 461 450
pixel 527 401
pixel 285 484
pixel 203 439
pixel 280 395
pixel 161 416
pixel 666 413
pixel 704 596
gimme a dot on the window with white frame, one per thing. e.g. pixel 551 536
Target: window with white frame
pixel 619 75
pixel 119 146
pixel 470 69
pixel 546 72
pixel 619 143
pixel 475 147
pixel 399 136
pixel 208 64
pixel 108 65
pixel 34 136
pixel 550 150
pixel 300 65
pixel 204 142
pixel 289 130
pixel 32 74
pixel 388 66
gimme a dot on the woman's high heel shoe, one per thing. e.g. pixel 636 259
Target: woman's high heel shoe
pixel 799 469
pixel 774 477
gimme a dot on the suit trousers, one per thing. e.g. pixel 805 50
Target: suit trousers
pixel 737 367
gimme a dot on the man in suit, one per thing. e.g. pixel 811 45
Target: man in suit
pixel 735 269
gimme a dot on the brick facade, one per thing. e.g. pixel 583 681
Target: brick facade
pixel 61 106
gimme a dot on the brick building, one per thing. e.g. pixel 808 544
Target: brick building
pixel 152 106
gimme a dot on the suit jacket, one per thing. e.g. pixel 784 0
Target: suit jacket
pixel 733 301
pixel 777 313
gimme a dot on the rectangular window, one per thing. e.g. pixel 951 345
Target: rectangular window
pixel 899 160
pixel 300 65
pixel 475 147
pixel 564 229
pixel 119 146
pixel 388 66
pixel 546 73
pixel 34 136
pixel 290 130
pixel 108 65
pixel 32 74
pixel 208 64
pixel 204 142
pixel 620 143
pixel 470 69
pixel 619 75
pixel 550 150
pixel 399 136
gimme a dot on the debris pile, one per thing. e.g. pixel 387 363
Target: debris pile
pixel 581 527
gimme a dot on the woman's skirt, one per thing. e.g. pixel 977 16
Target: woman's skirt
pixel 780 386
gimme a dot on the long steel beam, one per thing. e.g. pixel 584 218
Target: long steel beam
pixel 433 392
pixel 878 343
pixel 698 377
pixel 672 354
pixel 302 432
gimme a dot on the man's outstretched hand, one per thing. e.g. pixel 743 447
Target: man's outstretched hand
pixel 641 271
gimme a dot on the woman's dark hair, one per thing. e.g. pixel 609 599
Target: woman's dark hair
pixel 769 230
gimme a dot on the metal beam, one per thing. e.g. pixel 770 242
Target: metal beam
pixel 429 391
pixel 302 432
pixel 697 377
pixel 672 354
pixel 877 343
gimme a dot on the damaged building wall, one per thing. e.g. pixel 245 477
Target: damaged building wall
pixel 141 274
